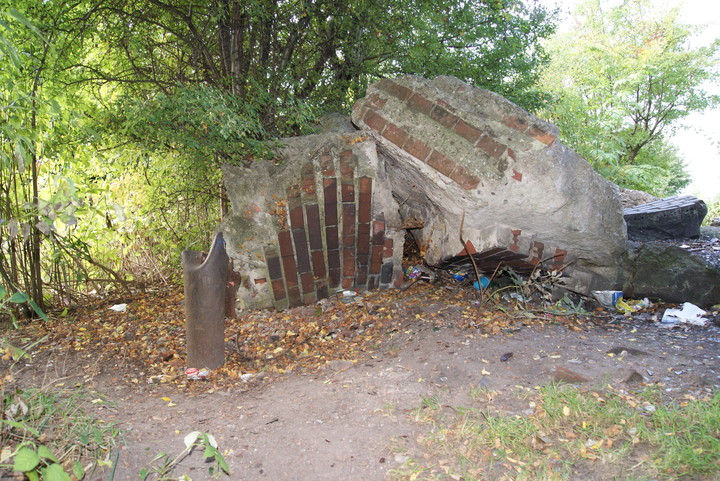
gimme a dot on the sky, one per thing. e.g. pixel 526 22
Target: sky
pixel 698 142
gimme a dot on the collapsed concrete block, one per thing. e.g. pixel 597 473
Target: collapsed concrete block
pixel 459 156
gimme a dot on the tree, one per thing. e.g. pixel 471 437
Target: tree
pixel 622 78
pixel 117 114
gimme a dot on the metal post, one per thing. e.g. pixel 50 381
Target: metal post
pixel 205 285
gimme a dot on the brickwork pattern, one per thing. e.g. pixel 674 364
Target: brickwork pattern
pixel 331 242
pixel 443 114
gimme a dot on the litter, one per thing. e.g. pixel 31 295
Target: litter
pixel 607 299
pixel 689 314
pixel 118 308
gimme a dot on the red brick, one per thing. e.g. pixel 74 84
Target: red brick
pixel 541 136
pixel 334 277
pixel 468 250
pixel 348 191
pixel 515 238
pixel 347 170
pixel 388 248
pixel 297 219
pixel 468 132
pixel 348 262
pixel 395 134
pixel 536 252
pixel 378 227
pixel 559 258
pixel 376 101
pixel 376 257
pixel 278 289
pixel 302 253
pixel 364 208
pixel 285 241
pixel 399 91
pixel 363 241
pixel 441 163
pixel 308 185
pixel 517 175
pixel 312 214
pixel 465 179
pixel 515 123
pixel 348 283
pixel 418 103
pixel 307 282
pixel 348 221
pixel 318 261
pixel 443 117
pixel 332 237
pixel 330 194
pixel 333 259
pixel 417 148
pixel 291 274
pixel 490 147
pixel 362 277
pixel 365 185
pixel 294 296
pixel 374 121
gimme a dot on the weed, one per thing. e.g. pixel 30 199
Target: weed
pixel 161 467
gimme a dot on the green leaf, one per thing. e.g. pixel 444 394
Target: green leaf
pixel 38 311
pixel 54 472
pixel 26 460
pixel 78 470
pixel 191 438
pixel 22 426
pixel 221 462
pixel 45 453
pixel 21 18
pixel 19 298
pixel 3 292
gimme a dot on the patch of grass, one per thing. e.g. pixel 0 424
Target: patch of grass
pixel 48 433
pixel 572 434
pixel 55 421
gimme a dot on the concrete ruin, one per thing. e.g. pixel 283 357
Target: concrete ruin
pixel 440 159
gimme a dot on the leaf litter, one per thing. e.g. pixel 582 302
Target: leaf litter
pixel 146 342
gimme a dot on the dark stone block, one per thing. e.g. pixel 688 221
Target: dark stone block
pixel 386 274
pixel 670 273
pixel 274 269
pixel 677 217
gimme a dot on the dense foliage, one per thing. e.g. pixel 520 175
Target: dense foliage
pixel 623 77
pixel 117 114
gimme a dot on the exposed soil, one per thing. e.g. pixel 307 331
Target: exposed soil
pixel 313 412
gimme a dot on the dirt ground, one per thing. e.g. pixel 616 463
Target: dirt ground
pixel 350 417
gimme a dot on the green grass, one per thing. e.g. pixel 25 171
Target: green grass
pixel 572 434
pixel 56 422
